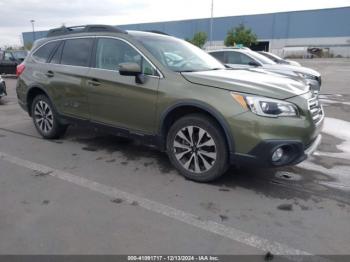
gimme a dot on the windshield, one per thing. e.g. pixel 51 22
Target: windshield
pixel 19 54
pixel 178 55
pixel 271 56
pixel 262 59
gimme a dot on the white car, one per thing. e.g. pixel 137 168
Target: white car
pixel 279 60
pixel 243 58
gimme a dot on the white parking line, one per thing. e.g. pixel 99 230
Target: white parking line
pixel 188 218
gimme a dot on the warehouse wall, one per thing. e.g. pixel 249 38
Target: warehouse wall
pixel 336 46
pixel 311 27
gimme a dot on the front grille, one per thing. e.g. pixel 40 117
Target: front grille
pixel 316 110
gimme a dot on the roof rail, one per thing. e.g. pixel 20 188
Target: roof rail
pixel 156 32
pixel 83 29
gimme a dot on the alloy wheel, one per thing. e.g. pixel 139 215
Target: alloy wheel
pixel 43 116
pixel 195 149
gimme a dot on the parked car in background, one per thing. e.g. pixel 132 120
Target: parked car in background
pixel 9 59
pixel 171 94
pixel 239 58
pixel 2 88
pixel 279 60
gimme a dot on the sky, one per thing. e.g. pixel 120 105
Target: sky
pixel 15 15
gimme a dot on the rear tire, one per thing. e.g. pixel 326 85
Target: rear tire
pixel 45 118
pixel 197 148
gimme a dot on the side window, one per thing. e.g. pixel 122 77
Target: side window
pixel 233 58
pixel 43 53
pixel 55 59
pixel 8 56
pixel 219 56
pixel 147 68
pixel 246 59
pixel 77 52
pixel 112 52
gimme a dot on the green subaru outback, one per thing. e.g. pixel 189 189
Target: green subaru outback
pixel 169 94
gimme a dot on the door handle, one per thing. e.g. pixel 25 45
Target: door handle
pixel 94 82
pixel 50 74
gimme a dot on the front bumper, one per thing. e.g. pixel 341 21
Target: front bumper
pixel 261 155
pixel 313 146
pixel 315 85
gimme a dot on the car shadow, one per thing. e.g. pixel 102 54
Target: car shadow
pixel 282 183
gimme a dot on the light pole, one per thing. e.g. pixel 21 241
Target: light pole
pixel 33 21
pixel 211 23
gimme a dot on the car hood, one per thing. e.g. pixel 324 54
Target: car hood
pixel 291 68
pixel 245 81
pixel 293 63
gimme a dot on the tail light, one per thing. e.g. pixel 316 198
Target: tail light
pixel 20 69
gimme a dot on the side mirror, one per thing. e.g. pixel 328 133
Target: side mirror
pixel 129 69
pixel 253 63
pixel 132 69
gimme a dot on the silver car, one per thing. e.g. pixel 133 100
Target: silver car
pixel 244 58
pixel 279 60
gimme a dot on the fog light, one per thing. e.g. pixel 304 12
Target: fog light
pixel 277 155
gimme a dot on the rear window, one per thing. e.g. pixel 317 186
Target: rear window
pixel 43 53
pixel 77 52
pixel 20 54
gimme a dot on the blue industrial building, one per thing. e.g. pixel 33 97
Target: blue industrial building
pixel 277 32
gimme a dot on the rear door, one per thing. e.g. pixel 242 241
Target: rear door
pixel 66 74
pixel 118 100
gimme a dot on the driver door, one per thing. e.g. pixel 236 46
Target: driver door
pixel 118 100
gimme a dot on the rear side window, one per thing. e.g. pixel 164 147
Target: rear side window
pixel 56 57
pixel 77 52
pixel 43 53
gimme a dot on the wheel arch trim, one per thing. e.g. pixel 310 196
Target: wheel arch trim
pixel 42 89
pixel 204 107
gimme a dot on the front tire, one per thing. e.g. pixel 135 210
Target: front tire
pixel 45 118
pixel 197 148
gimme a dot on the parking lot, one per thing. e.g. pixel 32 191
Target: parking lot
pixel 92 193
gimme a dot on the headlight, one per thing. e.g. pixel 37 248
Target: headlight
pixel 307 76
pixel 264 106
